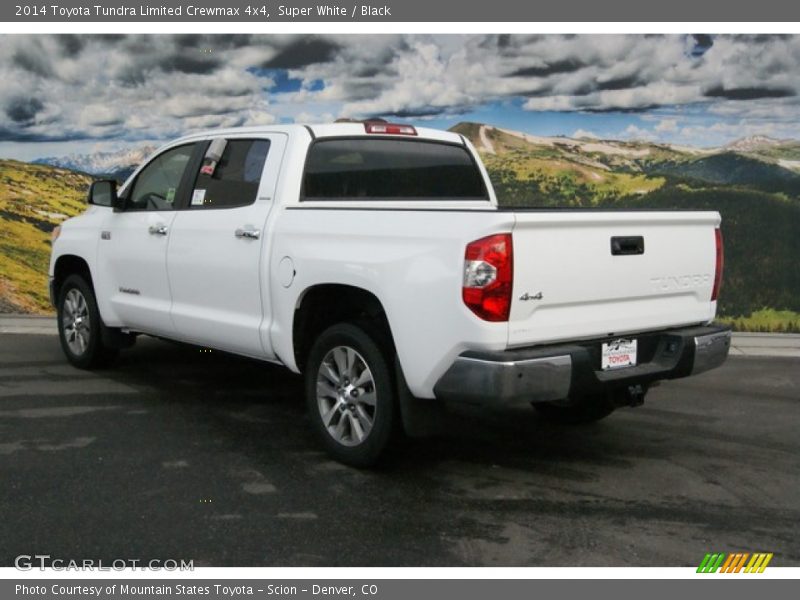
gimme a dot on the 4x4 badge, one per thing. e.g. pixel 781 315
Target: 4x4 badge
pixel 526 296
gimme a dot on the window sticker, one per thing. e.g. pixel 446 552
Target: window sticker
pixel 171 195
pixel 198 197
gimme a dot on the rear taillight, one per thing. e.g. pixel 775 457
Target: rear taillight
pixel 489 277
pixel 719 265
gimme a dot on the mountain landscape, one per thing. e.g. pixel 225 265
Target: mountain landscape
pixel 116 165
pixel 754 182
pixel 570 171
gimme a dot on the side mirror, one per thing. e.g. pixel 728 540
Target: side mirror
pixel 104 193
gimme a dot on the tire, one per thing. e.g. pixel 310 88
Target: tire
pixel 80 328
pixel 351 395
pixel 583 409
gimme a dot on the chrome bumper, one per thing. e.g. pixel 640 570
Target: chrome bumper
pixel 476 379
pixel 710 351
pixel 548 373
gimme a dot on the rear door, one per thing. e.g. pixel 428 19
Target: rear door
pixel 216 260
pixel 584 274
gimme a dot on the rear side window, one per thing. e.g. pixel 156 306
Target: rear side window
pixel 384 169
pixel 234 179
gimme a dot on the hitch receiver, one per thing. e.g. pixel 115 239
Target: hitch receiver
pixel 635 395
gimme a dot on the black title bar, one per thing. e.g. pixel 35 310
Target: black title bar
pixel 440 11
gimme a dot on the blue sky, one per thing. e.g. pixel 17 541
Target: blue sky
pixel 65 94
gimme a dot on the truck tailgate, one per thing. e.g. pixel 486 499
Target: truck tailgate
pixel 573 281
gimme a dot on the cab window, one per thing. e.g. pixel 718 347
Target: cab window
pixel 156 186
pixel 389 169
pixel 234 179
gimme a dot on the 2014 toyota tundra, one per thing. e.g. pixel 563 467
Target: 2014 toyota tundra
pixel 373 258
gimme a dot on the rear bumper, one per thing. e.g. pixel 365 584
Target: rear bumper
pixel 555 372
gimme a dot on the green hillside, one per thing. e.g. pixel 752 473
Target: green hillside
pixel 732 168
pixel 33 200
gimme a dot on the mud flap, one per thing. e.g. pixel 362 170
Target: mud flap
pixel 421 417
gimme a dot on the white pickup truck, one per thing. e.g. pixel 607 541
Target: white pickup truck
pixel 373 258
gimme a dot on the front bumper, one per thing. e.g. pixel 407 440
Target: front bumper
pixel 558 371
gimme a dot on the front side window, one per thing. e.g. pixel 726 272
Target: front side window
pixel 156 187
pixel 384 169
pixel 234 179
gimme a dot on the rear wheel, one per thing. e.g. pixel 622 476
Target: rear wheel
pixel 350 394
pixel 80 328
pixel 582 409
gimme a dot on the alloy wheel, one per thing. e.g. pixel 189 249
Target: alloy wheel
pixel 75 322
pixel 346 396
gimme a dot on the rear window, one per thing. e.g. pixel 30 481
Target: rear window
pixel 390 169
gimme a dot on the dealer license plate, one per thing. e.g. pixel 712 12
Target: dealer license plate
pixel 618 354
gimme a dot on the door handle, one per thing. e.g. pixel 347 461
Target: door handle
pixel 158 229
pixel 251 234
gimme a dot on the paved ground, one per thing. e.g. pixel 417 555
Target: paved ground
pixel 176 453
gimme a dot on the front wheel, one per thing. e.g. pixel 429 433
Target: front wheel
pixel 350 395
pixel 80 328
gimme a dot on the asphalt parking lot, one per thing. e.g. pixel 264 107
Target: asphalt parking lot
pixel 179 453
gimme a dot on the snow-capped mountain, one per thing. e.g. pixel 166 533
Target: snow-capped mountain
pixel 752 143
pixel 117 164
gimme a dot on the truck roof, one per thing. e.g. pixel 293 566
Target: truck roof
pixel 323 130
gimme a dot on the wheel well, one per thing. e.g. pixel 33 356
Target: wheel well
pixel 327 304
pixel 69 265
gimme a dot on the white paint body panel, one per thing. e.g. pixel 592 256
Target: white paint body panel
pixel 135 260
pixel 587 292
pixel 411 261
pixel 216 278
pixel 201 284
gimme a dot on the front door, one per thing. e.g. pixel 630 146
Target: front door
pixel 216 261
pixel 133 245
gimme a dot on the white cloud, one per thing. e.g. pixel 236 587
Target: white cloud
pixel 156 87
pixel 635 132
pixel 667 126
pixel 583 133
pixel 311 118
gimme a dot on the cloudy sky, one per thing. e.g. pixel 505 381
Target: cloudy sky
pixel 63 94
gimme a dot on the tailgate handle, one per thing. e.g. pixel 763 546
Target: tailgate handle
pixel 633 244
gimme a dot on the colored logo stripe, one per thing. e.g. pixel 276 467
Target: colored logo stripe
pixel 711 562
pixel 735 562
pixel 758 563
pixel 727 564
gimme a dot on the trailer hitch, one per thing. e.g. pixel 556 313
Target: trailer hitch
pixel 635 395
pixel 632 395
